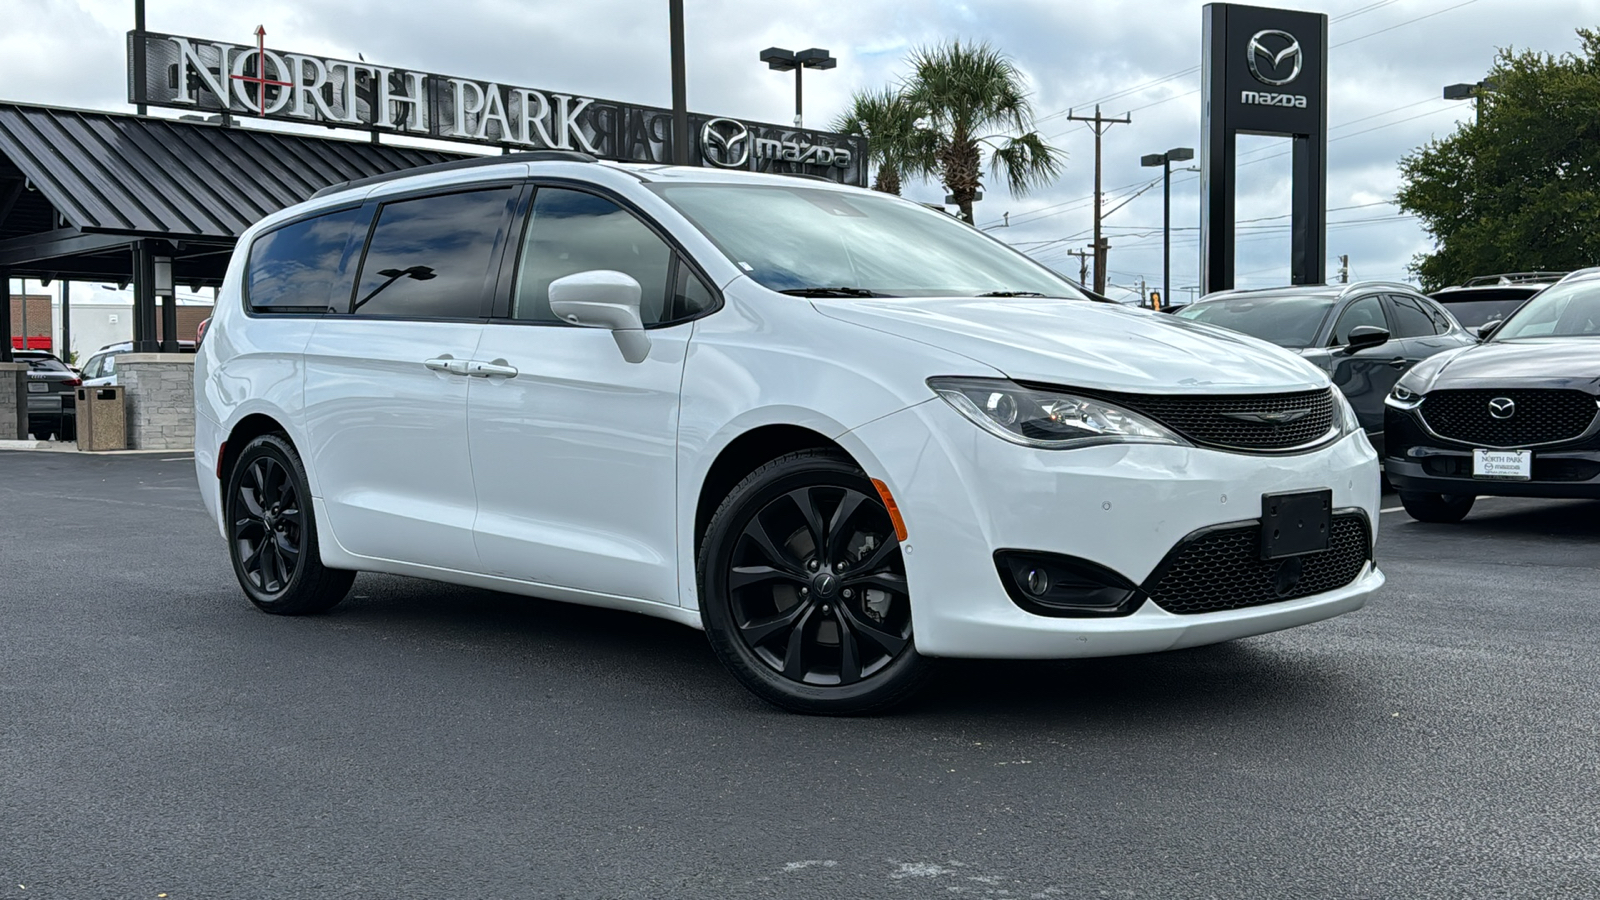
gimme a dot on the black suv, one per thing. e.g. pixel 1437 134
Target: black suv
pixel 1518 415
pixel 52 392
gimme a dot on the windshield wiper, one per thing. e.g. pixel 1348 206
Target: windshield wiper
pixel 828 292
pixel 1011 294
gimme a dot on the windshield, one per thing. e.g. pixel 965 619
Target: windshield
pixel 1563 310
pixel 811 241
pixel 43 363
pixel 1288 320
pixel 1472 313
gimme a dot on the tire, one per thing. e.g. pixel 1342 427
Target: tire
pixel 775 568
pixel 272 535
pixel 1443 509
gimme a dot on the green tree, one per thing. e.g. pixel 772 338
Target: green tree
pixel 896 147
pixel 975 101
pixel 1518 188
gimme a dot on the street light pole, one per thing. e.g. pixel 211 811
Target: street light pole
pixel 1165 161
pixel 680 89
pixel 783 60
pixel 1473 92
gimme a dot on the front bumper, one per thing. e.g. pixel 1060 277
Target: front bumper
pixel 1420 462
pixel 965 494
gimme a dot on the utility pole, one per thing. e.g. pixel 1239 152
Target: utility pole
pixel 1083 265
pixel 1098 125
pixel 1344 269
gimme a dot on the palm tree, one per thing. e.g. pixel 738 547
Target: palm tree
pixel 975 99
pixel 895 145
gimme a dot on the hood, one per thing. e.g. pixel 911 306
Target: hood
pixel 1530 362
pixel 1091 345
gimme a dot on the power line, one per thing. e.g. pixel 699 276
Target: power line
pixel 1143 86
pixel 1401 24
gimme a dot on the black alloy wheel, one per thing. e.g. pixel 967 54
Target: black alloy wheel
pixel 272 535
pixel 803 589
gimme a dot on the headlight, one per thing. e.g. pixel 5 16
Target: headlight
pixel 1403 398
pixel 1345 414
pixel 1047 419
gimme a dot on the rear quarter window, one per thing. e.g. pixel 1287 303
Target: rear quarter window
pixel 306 267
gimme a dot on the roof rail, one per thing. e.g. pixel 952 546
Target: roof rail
pixel 1514 278
pixel 1365 285
pixel 528 156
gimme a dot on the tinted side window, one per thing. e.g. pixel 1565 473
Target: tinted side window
pixel 571 232
pixel 1366 311
pixel 430 257
pixel 1441 319
pixel 1410 319
pixel 304 267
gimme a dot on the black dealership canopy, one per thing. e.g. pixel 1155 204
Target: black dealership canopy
pixel 96 196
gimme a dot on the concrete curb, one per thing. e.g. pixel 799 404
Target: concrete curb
pixel 63 447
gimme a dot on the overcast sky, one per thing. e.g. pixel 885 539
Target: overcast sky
pixel 1388 62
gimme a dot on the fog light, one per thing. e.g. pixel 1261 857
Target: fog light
pixel 1053 584
pixel 1036 582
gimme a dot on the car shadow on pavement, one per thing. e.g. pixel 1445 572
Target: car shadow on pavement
pixel 1242 678
pixel 1578 519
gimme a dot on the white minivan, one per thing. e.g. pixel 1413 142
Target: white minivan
pixel 840 432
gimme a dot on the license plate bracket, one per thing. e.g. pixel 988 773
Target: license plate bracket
pixel 1503 465
pixel 1295 523
pixel 38 387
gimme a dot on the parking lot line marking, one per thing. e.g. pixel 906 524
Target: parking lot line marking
pixel 1392 509
pixel 176 458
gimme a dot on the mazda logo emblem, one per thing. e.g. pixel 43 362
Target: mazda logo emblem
pixel 725 143
pixel 1266 63
pixel 1502 407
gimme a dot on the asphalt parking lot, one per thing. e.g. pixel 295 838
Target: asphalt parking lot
pixel 159 737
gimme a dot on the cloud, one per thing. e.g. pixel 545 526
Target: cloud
pixel 1383 97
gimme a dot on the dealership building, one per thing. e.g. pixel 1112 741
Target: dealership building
pixel 158 203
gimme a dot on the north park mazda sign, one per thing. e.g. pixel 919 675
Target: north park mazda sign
pixel 728 144
pixel 255 80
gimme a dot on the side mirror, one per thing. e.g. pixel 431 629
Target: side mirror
pixel 1363 337
pixel 602 298
pixel 1489 328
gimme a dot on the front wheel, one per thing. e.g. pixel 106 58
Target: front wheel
pixel 803 589
pixel 1443 509
pixel 272 535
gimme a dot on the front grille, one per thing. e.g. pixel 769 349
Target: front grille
pixel 1542 416
pixel 1223 569
pixel 1213 421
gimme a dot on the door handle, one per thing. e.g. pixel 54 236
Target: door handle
pixel 447 364
pixel 1399 362
pixel 496 369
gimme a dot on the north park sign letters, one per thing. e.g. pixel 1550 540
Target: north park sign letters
pixel 242 80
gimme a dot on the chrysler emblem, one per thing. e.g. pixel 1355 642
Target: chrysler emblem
pixel 1502 407
pixel 725 143
pixel 1283 417
pixel 1267 63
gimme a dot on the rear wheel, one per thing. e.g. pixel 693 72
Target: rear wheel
pixel 272 535
pixel 1445 509
pixel 803 589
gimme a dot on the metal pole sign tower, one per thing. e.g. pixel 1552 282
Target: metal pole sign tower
pixel 1265 72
